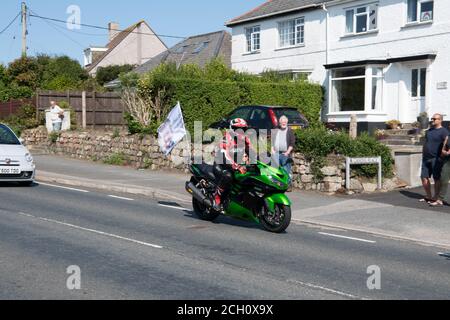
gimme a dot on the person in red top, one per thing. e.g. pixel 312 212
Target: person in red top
pixel 233 155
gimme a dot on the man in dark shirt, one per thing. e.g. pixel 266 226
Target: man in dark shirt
pixel 432 161
pixel 445 176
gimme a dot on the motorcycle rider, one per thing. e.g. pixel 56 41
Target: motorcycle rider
pixel 226 159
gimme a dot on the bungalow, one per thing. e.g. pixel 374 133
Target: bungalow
pixel 135 45
pixel 378 59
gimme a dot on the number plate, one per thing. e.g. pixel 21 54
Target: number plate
pixel 9 170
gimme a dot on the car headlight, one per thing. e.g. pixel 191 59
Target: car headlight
pixel 29 158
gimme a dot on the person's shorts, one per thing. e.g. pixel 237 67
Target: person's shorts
pixel 432 168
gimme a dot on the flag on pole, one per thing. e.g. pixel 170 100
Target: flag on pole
pixel 172 131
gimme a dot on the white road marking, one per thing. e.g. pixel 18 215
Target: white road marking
pixel 61 187
pixel 121 198
pixel 340 293
pixel 173 207
pixel 348 238
pixel 92 231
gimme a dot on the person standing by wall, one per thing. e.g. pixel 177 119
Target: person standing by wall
pixel 432 161
pixel 445 175
pixel 57 116
pixel 283 145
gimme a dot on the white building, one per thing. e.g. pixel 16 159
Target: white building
pixel 379 59
pixel 135 46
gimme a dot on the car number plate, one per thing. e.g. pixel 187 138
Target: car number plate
pixel 296 127
pixel 9 170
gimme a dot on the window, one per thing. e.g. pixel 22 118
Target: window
pixel 419 83
pixel 292 32
pixel 201 47
pixel 351 86
pixel 361 19
pixel 420 10
pixel 253 36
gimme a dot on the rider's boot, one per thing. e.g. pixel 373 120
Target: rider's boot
pixel 217 206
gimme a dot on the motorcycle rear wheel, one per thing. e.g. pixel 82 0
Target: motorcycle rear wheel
pixel 279 222
pixel 203 212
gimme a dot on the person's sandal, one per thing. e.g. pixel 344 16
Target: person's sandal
pixel 437 204
pixel 426 200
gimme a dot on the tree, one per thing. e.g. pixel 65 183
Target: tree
pixel 110 73
pixel 24 72
pixel 60 73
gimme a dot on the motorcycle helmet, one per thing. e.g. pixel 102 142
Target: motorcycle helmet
pixel 238 124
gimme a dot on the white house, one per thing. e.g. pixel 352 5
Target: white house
pixel 378 59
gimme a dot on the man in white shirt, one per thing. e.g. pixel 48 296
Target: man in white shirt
pixel 57 116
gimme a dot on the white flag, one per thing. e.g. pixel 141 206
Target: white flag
pixel 172 131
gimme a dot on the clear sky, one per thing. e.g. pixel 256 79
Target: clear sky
pixel 168 17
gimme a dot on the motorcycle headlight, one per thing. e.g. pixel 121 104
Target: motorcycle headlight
pixel 29 158
pixel 277 182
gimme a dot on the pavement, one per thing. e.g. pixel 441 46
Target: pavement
pixel 397 214
pixel 59 242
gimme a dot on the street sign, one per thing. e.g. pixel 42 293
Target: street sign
pixel 363 161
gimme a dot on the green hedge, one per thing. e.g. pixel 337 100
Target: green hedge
pixel 210 101
pixel 318 143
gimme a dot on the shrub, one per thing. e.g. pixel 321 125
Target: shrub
pixel 210 94
pixel 54 136
pixel 317 143
pixel 116 159
pixel 25 118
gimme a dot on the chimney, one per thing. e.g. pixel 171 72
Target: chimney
pixel 113 28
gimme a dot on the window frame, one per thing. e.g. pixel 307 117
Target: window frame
pixel 357 14
pixel 369 78
pixel 418 18
pixel 298 22
pixel 250 43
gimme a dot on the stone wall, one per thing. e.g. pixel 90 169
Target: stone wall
pixel 143 152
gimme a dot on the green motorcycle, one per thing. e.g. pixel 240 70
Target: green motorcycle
pixel 257 196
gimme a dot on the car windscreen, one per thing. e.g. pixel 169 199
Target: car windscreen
pixel 293 115
pixel 7 136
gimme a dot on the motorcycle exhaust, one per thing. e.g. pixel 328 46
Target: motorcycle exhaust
pixel 198 195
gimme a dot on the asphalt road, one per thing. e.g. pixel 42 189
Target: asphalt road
pixel 139 249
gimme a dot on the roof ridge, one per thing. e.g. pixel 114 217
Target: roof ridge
pixel 204 34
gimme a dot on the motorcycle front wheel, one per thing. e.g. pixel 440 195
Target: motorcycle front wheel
pixel 279 221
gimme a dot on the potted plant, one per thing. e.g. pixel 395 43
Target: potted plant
pixel 393 124
pixel 416 128
pixel 380 134
pixel 424 120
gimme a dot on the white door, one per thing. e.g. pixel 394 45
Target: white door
pixel 418 92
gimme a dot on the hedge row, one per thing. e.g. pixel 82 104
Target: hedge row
pixel 210 101
pixel 317 143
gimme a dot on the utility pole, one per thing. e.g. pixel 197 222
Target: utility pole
pixel 24 29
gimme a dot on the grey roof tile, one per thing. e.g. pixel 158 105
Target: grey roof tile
pixel 218 45
pixel 273 7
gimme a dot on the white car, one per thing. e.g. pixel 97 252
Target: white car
pixel 16 162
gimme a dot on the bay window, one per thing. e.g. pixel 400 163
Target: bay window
pixel 357 89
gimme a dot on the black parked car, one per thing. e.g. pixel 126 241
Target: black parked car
pixel 264 117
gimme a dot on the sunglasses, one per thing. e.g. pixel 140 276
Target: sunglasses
pixel 435 119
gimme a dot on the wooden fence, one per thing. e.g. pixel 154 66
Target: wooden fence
pixel 92 109
pixel 12 107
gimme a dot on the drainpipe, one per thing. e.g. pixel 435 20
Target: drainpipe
pixel 324 7
pixel 327 27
